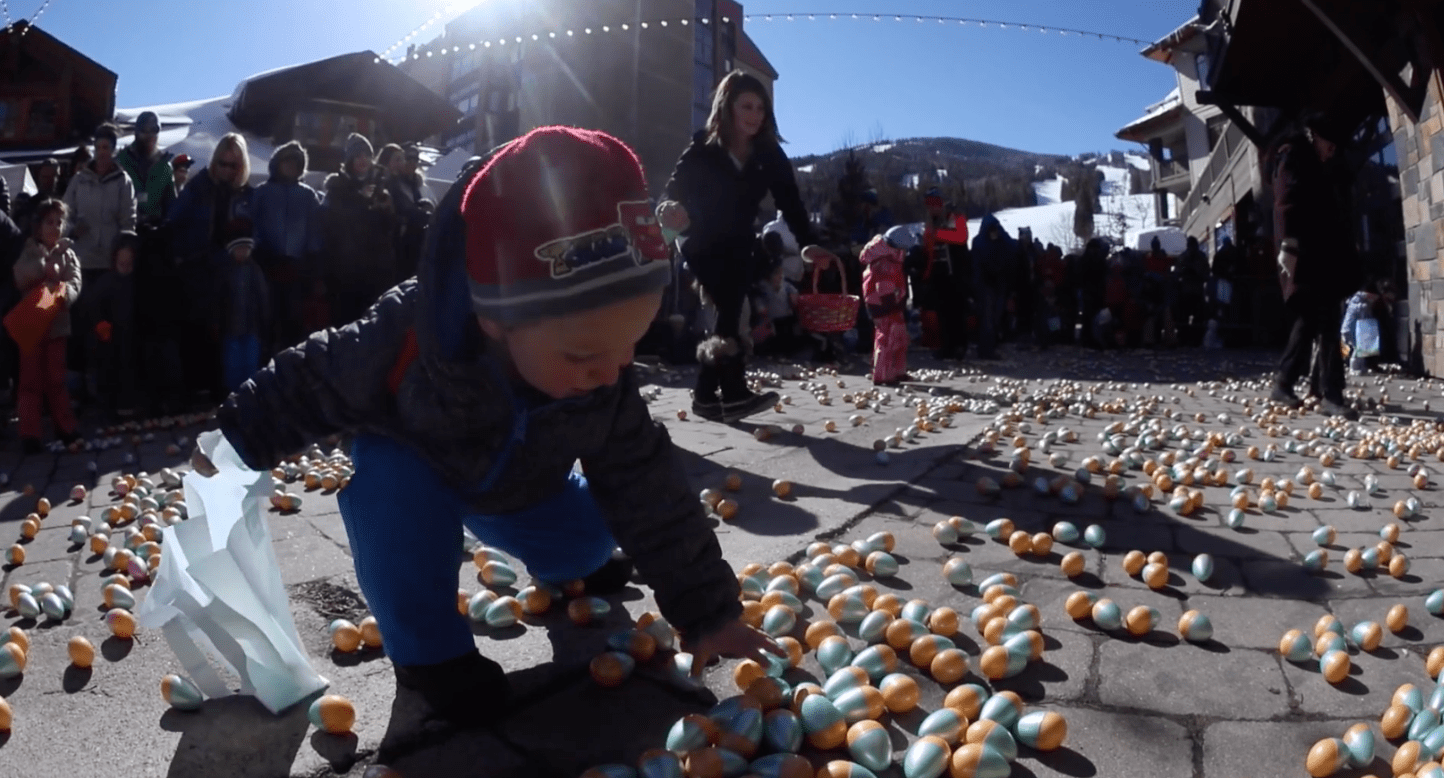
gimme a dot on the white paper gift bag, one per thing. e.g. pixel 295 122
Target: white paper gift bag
pixel 218 596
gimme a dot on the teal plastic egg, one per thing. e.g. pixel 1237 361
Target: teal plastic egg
pixel 1268 503
pixel 1434 603
pixel 844 680
pixel 1360 744
pixel 945 723
pixel 1430 770
pixel 945 534
pixel 926 758
pixel 78 534
pixel 916 610
pixel 809 577
pixel 687 734
pixel 498 574
pixel 850 608
pixel 1424 722
pixel 995 528
pixel 66 596
pixel 782 731
pixel 1332 641
pixel 872 749
pixel 818 713
pixel 1095 536
pixel 27 606
pixel 1107 615
pixel 1000 739
pixel 873 627
pixel 747 723
pixel 1069 494
pixel 1296 647
pixel 993 580
pixel 611 771
pixel 853 704
pixel 1324 535
pixel 778 621
pixel 1065 532
pixel 1195 627
pixel 11 658
pixel 180 693
pixel 838 768
pixel 834 654
pixel 1235 519
pixel 1432 742
pixel 1203 567
pixel 53 606
pixel 1316 560
pixel 833 585
pixel 778 765
pixel 874 660
pixel 789 599
pixel 958 572
pixel 991 764
pixel 1024 617
pixel 1040 724
pixel 1434 703
pixel 751 586
pixel 663 764
pixel 882 564
pixel 1002 710
pixel 1412 698
pixel 1140 503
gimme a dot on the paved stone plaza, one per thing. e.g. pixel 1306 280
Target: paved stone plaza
pixel 1155 705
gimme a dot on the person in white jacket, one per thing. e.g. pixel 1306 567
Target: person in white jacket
pixel 101 201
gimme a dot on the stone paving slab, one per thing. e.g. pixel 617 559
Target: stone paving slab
pixel 1247 748
pixel 1169 676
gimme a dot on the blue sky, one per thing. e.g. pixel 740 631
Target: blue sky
pixel 839 79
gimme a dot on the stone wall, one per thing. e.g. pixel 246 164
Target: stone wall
pixel 1420 148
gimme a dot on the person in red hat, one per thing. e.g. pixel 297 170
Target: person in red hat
pixel 473 391
pixel 181 170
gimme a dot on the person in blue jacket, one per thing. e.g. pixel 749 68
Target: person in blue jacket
pixel 287 233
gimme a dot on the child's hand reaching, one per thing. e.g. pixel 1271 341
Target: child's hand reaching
pixel 735 641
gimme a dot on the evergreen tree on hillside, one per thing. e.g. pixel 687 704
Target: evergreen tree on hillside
pixel 1087 205
pixel 844 212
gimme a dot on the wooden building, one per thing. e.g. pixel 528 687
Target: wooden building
pixel 52 97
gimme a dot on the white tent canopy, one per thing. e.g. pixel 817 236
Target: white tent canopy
pixel 18 180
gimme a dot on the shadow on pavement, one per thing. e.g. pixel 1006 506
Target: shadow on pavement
pixel 235 736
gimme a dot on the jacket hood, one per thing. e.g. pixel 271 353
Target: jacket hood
pixel 984 242
pixel 290 150
pixel 878 250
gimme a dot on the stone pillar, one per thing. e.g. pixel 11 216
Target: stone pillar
pixel 1420 149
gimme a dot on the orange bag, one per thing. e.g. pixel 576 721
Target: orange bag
pixel 29 321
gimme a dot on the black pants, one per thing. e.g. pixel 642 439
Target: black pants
pixel 726 373
pixel 950 295
pixel 1316 320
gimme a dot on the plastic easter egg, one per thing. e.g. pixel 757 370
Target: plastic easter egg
pixel 1042 730
pixel 1079 604
pixel 656 763
pixel 838 768
pixel 881 564
pixel 873 626
pixel 818 714
pixel 900 693
pixel 1007 579
pixel 958 572
pixel 943 621
pixel 1141 620
pixel 944 723
pixel 1065 532
pixel 1004 708
pixel 1195 627
pixel 1434 603
pixel 1334 665
pixel 612 668
pixel 494 573
pixel 1367 635
pixel 332 714
pixel 1424 721
pixel 1328 623
pixel 1395 721
pixel 870 745
pixel 371 630
pixel 833 585
pixel 1406 758
pixel 916 610
pixel 1369 559
pixel 121 623
pixel 1235 518
pixel 994 736
pixel 834 653
pixel 1107 615
pixel 12 659
pixel 1409 696
pixel 1433 742
pixel 1203 567
pixel 877 661
pixel 975 760
pixel 1359 740
pixel 1316 560
pixel 53 607
pixel 691 732
pixel 781 766
pixel 781 731
pixel 944 533
pixel 582 611
pixel 778 621
pixel 503 612
pixel 1330 641
pixel 1326 757
pixel 927 757
pixel 967 699
pixel 180 693
pixel 999 529
pixel 1095 536
pixel 847 607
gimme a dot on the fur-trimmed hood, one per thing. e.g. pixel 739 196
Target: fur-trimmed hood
pixel 291 150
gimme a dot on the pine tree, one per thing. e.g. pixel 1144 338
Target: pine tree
pixel 845 211
pixel 1083 213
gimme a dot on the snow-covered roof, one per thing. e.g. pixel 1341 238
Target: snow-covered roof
pixel 1167 108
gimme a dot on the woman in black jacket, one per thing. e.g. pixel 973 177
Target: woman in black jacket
pixel 712 199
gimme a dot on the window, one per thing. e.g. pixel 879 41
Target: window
pixel 10 118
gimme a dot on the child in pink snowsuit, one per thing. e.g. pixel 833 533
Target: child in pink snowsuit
pixel 884 288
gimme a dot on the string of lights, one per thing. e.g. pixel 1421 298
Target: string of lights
pixel 447 47
pixel 5 6
pixel 436 17
pixel 35 18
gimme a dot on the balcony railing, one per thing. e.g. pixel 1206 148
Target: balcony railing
pixel 1219 163
pixel 1168 169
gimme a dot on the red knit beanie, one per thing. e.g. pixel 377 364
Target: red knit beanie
pixel 559 222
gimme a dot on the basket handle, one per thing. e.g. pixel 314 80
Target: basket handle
pixel 817 267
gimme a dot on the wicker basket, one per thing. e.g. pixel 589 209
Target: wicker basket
pixel 827 313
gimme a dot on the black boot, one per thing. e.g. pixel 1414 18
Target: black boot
pixel 469 689
pixel 611 577
pixel 738 401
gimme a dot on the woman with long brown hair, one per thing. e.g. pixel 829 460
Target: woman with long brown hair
pixel 712 199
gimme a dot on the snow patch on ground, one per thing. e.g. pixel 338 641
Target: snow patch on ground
pixel 881 147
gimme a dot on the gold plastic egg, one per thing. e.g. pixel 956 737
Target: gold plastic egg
pixel 121 623
pixel 82 653
pixel 782 488
pixel 943 621
pixel 727 509
pixel 1335 666
pixel 370 632
pixel 949 666
pixel 1395 721
pixel 1434 663
pixel 336 713
pixel 1073 564
pixel 1133 562
pixel 1326 757
pixel 345 636
pixel 1079 605
pixel 1020 542
pixel 900 693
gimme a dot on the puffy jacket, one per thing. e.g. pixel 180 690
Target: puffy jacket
pixel 993 259
pixel 884 285
pixel 153 179
pixel 101 207
pixel 30 271
pixel 286 212
pixel 500 445
pixel 722 201
pixel 201 226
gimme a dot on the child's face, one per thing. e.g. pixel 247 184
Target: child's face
pixel 124 261
pixel 573 355
pixel 51 228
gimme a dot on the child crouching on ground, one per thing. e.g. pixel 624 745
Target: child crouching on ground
pixel 475 388
pixel 47 259
pixel 884 288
